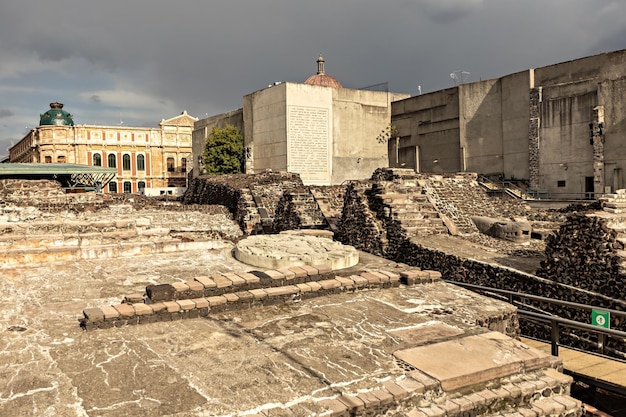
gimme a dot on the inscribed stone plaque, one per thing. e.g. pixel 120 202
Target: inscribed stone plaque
pixel 308 151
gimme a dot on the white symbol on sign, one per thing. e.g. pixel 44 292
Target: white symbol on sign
pixel 600 320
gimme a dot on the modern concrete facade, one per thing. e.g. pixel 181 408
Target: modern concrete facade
pixel 318 129
pixel 145 158
pixel 562 128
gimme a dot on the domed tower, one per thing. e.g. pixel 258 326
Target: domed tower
pixel 56 116
pixel 321 78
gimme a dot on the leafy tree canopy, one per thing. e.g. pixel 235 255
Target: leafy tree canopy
pixel 223 151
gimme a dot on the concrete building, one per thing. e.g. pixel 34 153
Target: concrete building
pixel 318 129
pixel 150 160
pixel 560 128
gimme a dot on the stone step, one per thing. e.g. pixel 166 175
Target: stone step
pixel 17 241
pixel 66 253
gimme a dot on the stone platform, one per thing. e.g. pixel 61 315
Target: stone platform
pixel 340 354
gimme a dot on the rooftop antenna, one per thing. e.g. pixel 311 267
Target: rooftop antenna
pixel 459 77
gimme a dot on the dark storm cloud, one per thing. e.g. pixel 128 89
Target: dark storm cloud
pixel 150 59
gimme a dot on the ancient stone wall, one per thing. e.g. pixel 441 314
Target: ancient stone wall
pixel 584 259
pixel 251 198
pixel 588 252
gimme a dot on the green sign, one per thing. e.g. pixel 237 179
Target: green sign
pixel 601 318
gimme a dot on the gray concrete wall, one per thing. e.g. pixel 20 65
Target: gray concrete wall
pixel 202 129
pixel 359 116
pixel 265 120
pixel 428 127
pixel 486 127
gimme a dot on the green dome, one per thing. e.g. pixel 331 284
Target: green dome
pixel 56 116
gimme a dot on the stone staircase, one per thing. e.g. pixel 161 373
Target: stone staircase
pixel 404 202
pixel 57 238
pixel 298 209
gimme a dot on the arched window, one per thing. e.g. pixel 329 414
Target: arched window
pixel 126 162
pixel 141 163
pixel 127 187
pixel 111 160
pixel 141 185
pixel 113 187
pixel 97 160
pixel 170 164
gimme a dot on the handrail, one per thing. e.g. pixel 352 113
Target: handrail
pixel 533 297
pixel 555 321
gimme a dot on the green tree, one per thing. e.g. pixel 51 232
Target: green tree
pixel 223 151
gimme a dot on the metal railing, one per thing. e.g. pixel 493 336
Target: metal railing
pixel 556 322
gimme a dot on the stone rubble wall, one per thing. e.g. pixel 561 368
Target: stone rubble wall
pixel 588 252
pixel 251 198
pixel 590 278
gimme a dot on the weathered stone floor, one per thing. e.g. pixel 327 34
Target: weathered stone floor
pixel 242 362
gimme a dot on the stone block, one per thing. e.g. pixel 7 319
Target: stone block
pixel 231 297
pixel 336 407
pixel 353 403
pixel 216 301
pixel 329 284
pixel 371 278
pixel 369 400
pixel 200 303
pixel 311 271
pixel 315 286
pixel 346 283
pixel 142 309
pixel 179 287
pixel 172 306
pixel 281 291
pixel 125 310
pixel 359 281
pixel 136 297
pixel 221 281
pixel 383 395
pixel 93 314
pixel 259 294
pixel 288 273
pixel 236 280
pixel 161 292
pixel 396 390
pixel 263 277
pixel 110 313
pixel 300 274
pixel 206 281
pixel 186 305
pixel 252 281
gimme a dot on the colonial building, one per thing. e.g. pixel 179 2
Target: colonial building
pixel 324 132
pixel 560 128
pixel 146 158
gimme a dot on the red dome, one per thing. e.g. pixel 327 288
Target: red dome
pixel 321 78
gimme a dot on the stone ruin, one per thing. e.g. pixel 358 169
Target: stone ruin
pixel 391 313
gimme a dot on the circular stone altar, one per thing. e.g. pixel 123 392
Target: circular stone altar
pixel 287 249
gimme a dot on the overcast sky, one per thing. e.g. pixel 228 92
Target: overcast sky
pixel 139 61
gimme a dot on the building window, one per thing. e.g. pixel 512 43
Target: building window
pixel 48 159
pixel 111 160
pixel 141 163
pixel 113 187
pixel 183 165
pixel 61 159
pixel 170 164
pixel 560 183
pixel 126 162
pixel 97 160
pixel 141 185
pixel 127 187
